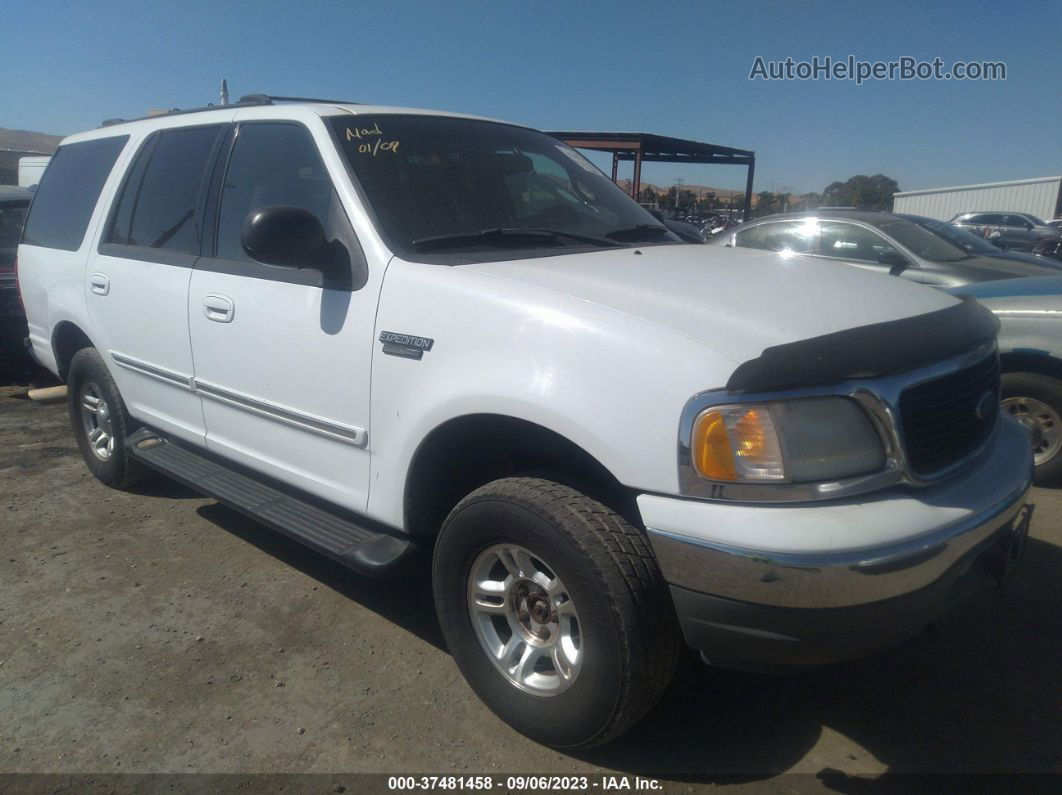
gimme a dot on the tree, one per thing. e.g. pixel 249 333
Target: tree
pixel 862 192
pixel 647 195
pixel 807 201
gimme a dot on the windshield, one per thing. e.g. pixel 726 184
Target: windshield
pixel 443 184
pixel 968 241
pixel 921 241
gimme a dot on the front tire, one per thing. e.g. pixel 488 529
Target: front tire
pixel 554 610
pixel 1036 402
pixel 100 421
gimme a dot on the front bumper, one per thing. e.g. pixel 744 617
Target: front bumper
pixel 803 603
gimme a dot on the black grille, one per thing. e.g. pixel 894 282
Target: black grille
pixel 940 417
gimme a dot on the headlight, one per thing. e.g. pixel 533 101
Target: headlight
pixel 790 441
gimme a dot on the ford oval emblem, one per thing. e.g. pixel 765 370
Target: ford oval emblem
pixel 984 405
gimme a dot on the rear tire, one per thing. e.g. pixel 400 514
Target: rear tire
pixel 572 584
pixel 1036 401
pixel 100 422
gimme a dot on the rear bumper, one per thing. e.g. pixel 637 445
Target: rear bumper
pixel 743 606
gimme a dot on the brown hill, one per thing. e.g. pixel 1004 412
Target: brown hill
pixel 28 142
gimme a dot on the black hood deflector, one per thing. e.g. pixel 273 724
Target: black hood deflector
pixel 868 351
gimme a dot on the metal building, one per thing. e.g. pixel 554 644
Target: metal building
pixel 1041 197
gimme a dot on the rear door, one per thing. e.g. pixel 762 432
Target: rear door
pixel 137 280
pixel 282 355
pixel 56 240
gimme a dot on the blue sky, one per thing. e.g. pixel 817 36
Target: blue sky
pixel 672 68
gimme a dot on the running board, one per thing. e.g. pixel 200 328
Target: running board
pixel 365 550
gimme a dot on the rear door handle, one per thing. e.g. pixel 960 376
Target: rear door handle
pixel 99 283
pixel 218 308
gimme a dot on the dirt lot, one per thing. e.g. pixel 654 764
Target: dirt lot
pixel 161 632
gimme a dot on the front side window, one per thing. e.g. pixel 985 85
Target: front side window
pixel 992 219
pixel 851 242
pixel 274 164
pixel 922 241
pixel 160 198
pixel 68 192
pixel 443 184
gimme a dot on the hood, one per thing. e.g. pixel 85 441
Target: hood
pixel 983 269
pixel 1029 257
pixel 1040 287
pixel 736 301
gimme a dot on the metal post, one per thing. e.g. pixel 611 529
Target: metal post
pixel 748 189
pixel 615 165
pixel 636 188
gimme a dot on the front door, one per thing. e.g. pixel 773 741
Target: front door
pixel 282 355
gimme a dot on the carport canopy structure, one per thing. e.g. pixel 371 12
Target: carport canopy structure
pixel 649 148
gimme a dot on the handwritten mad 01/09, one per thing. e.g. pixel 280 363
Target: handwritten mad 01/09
pixel 373 138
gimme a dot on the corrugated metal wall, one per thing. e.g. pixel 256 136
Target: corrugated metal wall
pixel 1040 197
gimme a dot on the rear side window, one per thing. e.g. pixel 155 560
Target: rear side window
pixel 68 193
pixel 160 198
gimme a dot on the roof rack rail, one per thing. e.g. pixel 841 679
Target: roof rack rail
pixel 251 101
pixel 268 99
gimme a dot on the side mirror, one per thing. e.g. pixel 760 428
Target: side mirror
pixel 287 237
pixel 896 261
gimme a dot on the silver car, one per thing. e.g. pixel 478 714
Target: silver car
pixel 880 242
pixel 1019 230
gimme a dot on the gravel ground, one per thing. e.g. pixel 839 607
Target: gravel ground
pixel 158 632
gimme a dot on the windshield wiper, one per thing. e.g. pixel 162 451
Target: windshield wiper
pixel 506 236
pixel 637 232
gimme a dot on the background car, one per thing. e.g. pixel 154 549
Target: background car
pixel 13 205
pixel 14 361
pixel 880 242
pixel 975 244
pixel 1019 230
pixel 1030 348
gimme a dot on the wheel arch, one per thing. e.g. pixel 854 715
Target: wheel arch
pixel 465 452
pixel 67 339
pixel 1028 362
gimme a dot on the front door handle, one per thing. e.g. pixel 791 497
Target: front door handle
pixel 99 283
pixel 218 308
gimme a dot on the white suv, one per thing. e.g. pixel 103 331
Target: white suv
pixel 381 330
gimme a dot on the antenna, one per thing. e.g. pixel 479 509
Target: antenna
pixel 224 92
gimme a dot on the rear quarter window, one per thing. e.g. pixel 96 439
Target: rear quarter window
pixel 68 193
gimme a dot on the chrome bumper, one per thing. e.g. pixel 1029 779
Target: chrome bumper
pixel 860 576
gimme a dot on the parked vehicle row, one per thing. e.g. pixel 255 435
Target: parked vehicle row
pixel 376 331
pixel 1018 230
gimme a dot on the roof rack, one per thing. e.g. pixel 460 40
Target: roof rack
pixel 244 102
pixel 250 100
pixel 269 99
